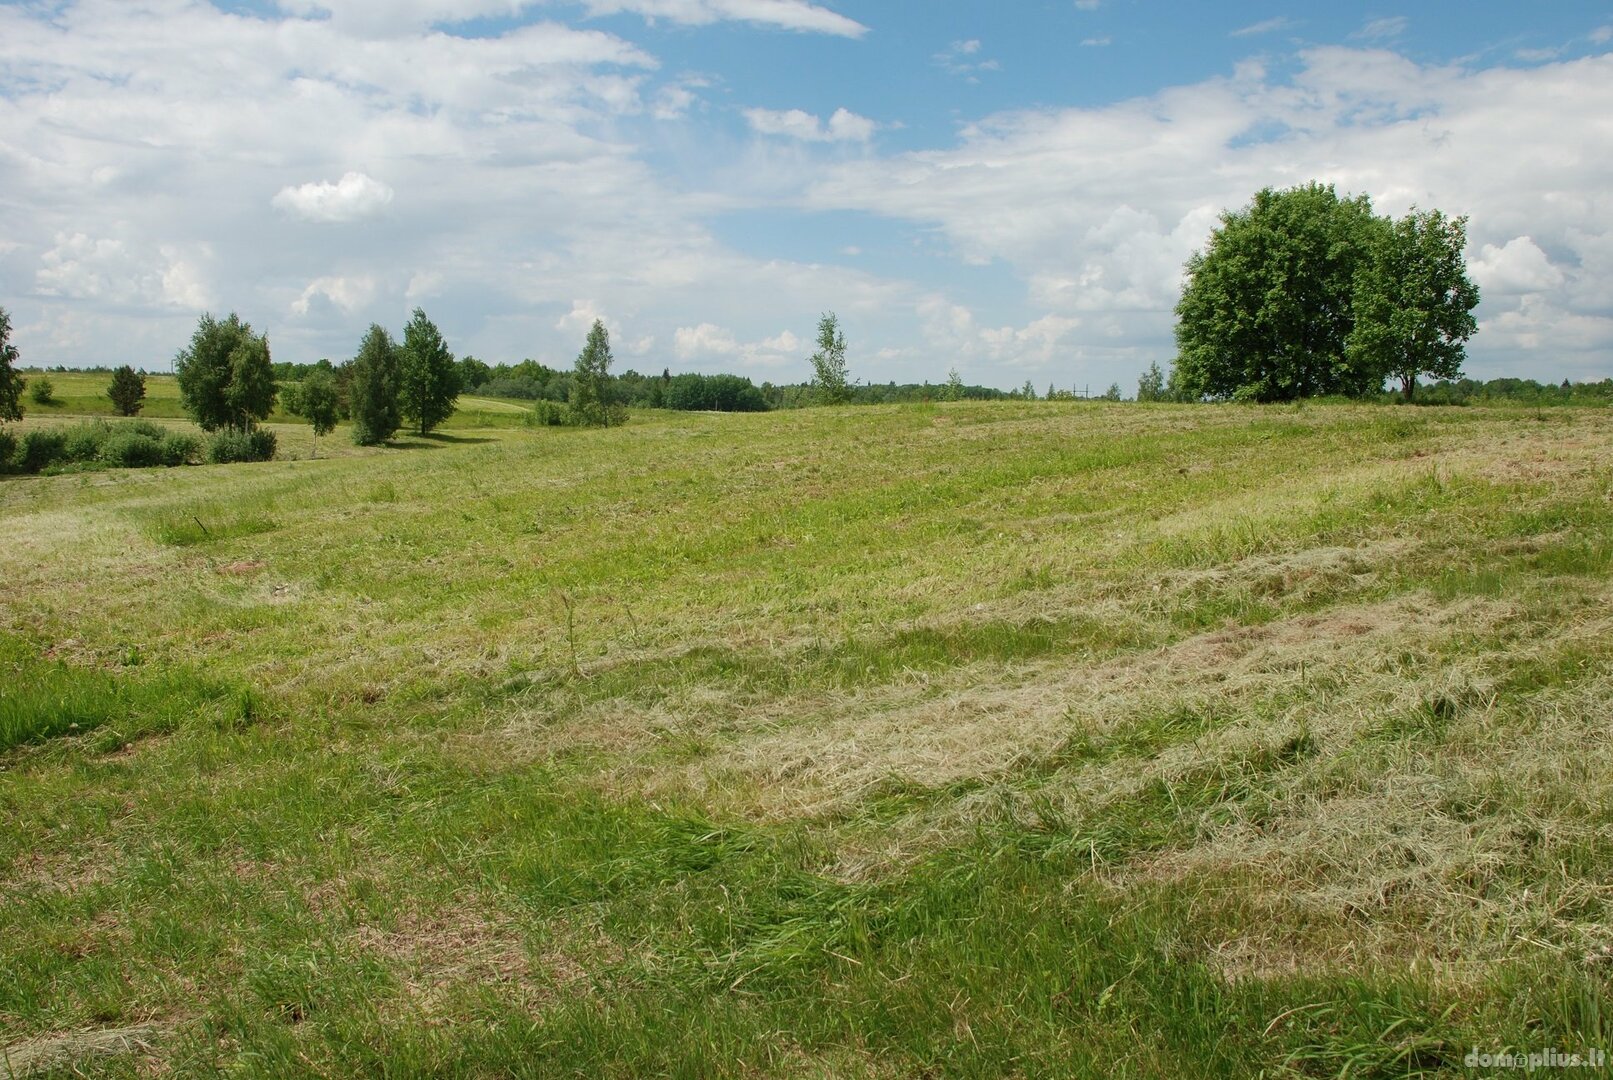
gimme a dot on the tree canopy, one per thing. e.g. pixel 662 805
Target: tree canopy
pixel 1414 302
pixel 127 391
pixel 226 378
pixel 11 383
pixel 592 400
pixel 1269 303
pixel 315 399
pixel 430 381
pixel 373 390
pixel 1303 292
pixel 830 382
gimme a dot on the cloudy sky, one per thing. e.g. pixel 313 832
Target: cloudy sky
pixel 1010 188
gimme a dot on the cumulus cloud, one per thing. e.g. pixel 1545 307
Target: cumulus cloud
pixel 707 342
pixel 1516 267
pixel 352 197
pixel 1097 209
pixel 142 186
pixel 843 126
pixel 109 270
pixel 347 294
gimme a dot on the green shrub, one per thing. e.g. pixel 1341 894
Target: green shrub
pixel 547 414
pixel 178 448
pixel 263 444
pixel 42 390
pixel 84 441
pixel 230 446
pixel 132 450
pixel 8 448
pixel 144 427
pixel 42 449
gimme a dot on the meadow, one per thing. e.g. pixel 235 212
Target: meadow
pixel 961 740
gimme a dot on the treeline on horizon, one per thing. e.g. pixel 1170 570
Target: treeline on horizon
pixel 531 380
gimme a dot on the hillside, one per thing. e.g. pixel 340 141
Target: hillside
pixel 963 740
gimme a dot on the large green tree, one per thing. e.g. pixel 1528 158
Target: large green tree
pixel 11 384
pixel 430 379
pixel 226 378
pixel 1269 303
pixel 1414 302
pixel 591 391
pixel 831 383
pixel 374 387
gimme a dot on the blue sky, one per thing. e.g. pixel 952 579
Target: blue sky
pixel 1007 189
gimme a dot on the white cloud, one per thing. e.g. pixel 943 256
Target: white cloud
pixel 1602 34
pixel 1097 209
pixel 1383 29
pixel 352 197
pixel 1265 26
pixel 142 146
pixel 784 14
pixel 580 319
pixel 843 126
pixel 111 271
pixel 707 342
pixel 1516 267
pixel 347 294
pixel 962 58
pixel 1097 42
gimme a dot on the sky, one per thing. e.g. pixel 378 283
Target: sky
pixel 1010 189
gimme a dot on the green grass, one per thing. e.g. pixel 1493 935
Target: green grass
pixel 83 393
pixel 970 740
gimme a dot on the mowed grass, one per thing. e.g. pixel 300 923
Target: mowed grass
pixel 1012 739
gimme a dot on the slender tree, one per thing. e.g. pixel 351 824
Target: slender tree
pixel 315 400
pixel 1151 385
pixel 830 380
pixel 127 391
pixel 1414 302
pixel 430 380
pixel 954 385
pixel 373 391
pixel 11 383
pixel 591 397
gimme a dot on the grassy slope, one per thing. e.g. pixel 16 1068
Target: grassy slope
pixel 966 740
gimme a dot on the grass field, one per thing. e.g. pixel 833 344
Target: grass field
pixel 83 393
pixel 972 740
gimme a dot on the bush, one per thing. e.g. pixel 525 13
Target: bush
pixel 230 446
pixel 84 441
pixel 547 414
pixel 8 448
pixel 179 448
pixel 263 444
pixel 132 450
pixel 42 449
pixel 145 427
pixel 42 391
